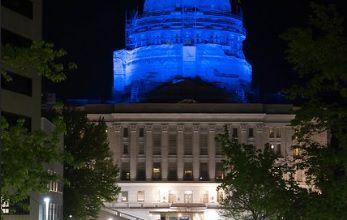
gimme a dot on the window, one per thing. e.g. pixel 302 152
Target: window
pixel 250 133
pixel 52 211
pixel 234 133
pixel 140 196
pixel 188 172
pixel 18 208
pixel 172 174
pixel 125 132
pixel 125 171
pixel 8 37
pixel 188 144
pixel 278 149
pixel 156 144
pixel 5 207
pixel 141 147
pixel 296 153
pixel 141 171
pixel 172 144
pixel 54 185
pixel 156 174
pixel 278 133
pixel 188 196
pixel 19 84
pixel 23 7
pixel 124 196
pixel 13 118
pixel 141 132
pixel 125 148
pixel 203 144
pixel 204 197
pixel 219 148
pixel 172 197
pixel 219 171
pixel 271 133
pixel 203 172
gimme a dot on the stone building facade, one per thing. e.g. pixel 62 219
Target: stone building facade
pixel 169 160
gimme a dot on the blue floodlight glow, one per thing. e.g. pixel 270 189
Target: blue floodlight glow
pixel 177 39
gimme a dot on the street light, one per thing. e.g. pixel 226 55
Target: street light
pixel 46 200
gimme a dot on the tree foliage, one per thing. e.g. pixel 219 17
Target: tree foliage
pixel 41 58
pixel 319 54
pixel 254 184
pixel 24 155
pixel 93 175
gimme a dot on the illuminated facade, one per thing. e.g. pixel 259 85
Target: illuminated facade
pixel 168 157
pixel 178 39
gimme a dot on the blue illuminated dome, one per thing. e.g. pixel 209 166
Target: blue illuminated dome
pixel 182 39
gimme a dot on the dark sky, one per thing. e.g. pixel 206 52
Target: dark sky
pixel 91 30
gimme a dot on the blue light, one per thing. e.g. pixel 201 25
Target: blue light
pixel 181 39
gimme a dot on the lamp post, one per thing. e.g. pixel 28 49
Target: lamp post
pixel 46 200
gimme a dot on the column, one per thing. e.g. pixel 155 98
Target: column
pixel 180 162
pixel 115 143
pixel 243 133
pixel 133 151
pixel 196 151
pixel 164 152
pixel 212 152
pixel 259 139
pixel 148 146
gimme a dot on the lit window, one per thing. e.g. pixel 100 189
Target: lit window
pixel 125 171
pixel 53 185
pixel 188 172
pixel 156 174
pixel 124 196
pixel 271 133
pixel 172 197
pixel 188 196
pixel 5 207
pixel 219 171
pixel 204 197
pixel 296 152
pixel 140 196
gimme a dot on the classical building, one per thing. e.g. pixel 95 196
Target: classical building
pixel 176 40
pixel 169 160
pixel 21 22
pixel 168 157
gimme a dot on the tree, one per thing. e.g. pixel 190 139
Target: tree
pixel 254 183
pixel 319 55
pixel 93 175
pixel 23 153
pixel 41 58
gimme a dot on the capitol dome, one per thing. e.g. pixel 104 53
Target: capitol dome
pixel 178 40
pixel 171 5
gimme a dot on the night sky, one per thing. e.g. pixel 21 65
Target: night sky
pixel 91 30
